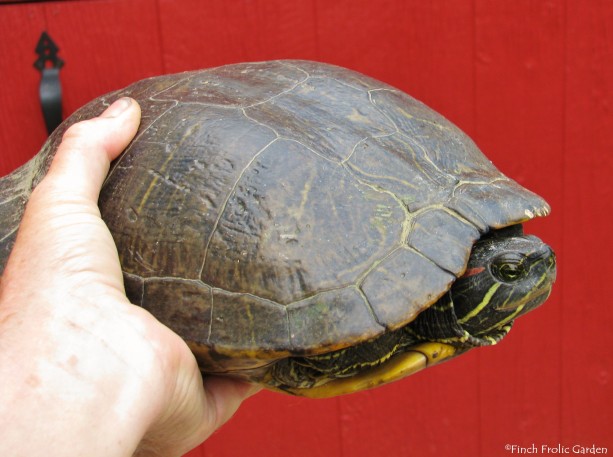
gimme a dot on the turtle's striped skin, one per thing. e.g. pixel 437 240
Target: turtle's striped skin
pixel 293 209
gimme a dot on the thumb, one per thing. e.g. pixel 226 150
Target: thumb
pixel 83 158
pixel 61 230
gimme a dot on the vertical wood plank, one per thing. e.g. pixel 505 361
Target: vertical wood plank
pixel 519 125
pixel 587 390
pixel 22 127
pixel 207 34
pixel 274 425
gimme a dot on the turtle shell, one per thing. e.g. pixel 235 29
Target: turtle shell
pixel 286 208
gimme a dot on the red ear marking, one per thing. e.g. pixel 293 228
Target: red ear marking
pixel 473 271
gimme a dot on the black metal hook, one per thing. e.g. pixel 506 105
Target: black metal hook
pixel 50 89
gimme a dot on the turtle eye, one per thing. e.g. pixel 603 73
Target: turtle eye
pixel 509 267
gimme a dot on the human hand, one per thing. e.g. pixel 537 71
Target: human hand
pixel 84 372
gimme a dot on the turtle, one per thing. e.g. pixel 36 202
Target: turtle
pixel 309 228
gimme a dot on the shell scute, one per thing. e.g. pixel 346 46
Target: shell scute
pixel 238 322
pixel 163 197
pixel 296 224
pixel 395 165
pixel 427 130
pixel 233 86
pixel 435 228
pixel 402 285
pixel 497 204
pixel 336 318
pixel 183 304
pixel 333 117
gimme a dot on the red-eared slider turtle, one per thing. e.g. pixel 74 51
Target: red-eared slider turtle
pixel 309 228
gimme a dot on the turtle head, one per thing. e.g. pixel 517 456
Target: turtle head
pixel 508 274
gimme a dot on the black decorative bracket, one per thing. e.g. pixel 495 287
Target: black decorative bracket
pixel 50 89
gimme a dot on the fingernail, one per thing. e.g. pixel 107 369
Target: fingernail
pixel 117 107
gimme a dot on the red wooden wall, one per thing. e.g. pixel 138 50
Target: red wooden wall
pixel 530 80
